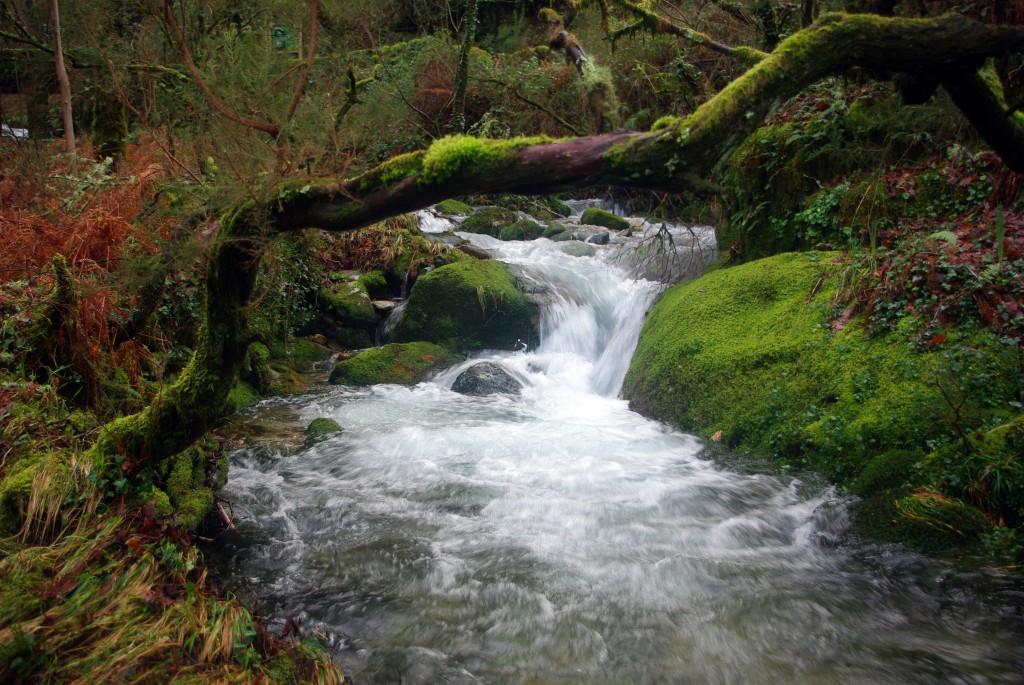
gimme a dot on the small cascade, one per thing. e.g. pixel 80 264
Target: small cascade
pixel 554 535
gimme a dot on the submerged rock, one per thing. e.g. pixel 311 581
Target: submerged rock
pixel 486 378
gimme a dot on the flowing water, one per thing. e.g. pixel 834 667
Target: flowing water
pixel 557 537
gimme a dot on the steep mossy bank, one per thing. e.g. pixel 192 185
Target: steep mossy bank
pixel 751 356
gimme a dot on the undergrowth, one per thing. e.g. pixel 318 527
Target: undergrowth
pixel 93 595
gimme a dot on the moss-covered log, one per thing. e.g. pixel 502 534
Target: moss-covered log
pixel 678 154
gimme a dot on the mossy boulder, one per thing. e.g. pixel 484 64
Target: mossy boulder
pixel 469 306
pixel 346 313
pixel 524 229
pixel 376 284
pixel 453 207
pixel 489 221
pixel 322 427
pixel 401 364
pixel 749 351
pixel 599 217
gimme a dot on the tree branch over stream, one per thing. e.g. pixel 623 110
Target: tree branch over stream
pixel 679 155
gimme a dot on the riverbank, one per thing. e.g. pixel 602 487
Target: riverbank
pixel 770 359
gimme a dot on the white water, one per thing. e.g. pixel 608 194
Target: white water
pixel 556 536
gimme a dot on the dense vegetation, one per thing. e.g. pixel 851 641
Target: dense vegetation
pixel 155 278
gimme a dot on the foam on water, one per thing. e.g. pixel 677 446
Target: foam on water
pixel 556 536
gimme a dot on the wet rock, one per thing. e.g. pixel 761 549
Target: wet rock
pixel 524 229
pixel 474 251
pixel 486 378
pixel 322 427
pixel 599 217
pixel 383 307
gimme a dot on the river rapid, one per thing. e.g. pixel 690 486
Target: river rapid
pixel 555 536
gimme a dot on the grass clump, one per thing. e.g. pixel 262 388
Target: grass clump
pixel 90 595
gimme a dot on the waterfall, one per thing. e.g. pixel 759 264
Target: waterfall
pixel 556 536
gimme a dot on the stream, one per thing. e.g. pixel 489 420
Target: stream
pixel 555 536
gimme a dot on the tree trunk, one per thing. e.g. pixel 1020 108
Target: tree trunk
pixel 458 124
pixel 62 79
pixel 677 156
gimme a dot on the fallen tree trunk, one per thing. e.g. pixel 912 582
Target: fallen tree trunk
pixel 678 154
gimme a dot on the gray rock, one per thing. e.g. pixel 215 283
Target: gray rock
pixel 474 251
pixel 486 378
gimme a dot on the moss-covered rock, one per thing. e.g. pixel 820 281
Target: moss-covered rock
pixel 748 351
pixel 376 284
pixel 524 229
pixel 321 427
pixel 468 306
pixel 453 207
pixel 401 364
pixel 489 221
pixel 599 217
pixel 347 315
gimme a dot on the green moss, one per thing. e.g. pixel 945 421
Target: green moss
pixel 469 305
pixel 298 355
pixel 451 156
pixel 321 427
pixel 524 229
pixel 391 171
pixel 347 315
pixel 288 381
pixel 889 471
pixel 453 207
pixel 256 369
pixel 376 284
pixel 160 499
pixel 748 351
pixel 599 217
pixel 242 396
pixel 81 421
pixel 191 499
pixel 667 121
pixel 488 221
pixel 15 488
pixel 402 364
